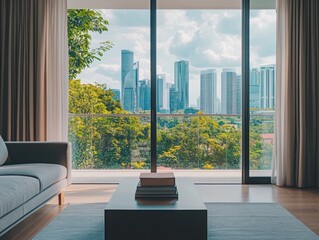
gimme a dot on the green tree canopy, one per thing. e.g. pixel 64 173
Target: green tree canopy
pixel 81 22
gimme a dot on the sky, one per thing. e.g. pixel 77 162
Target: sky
pixel 208 39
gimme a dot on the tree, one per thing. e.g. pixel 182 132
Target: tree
pixel 81 22
pixel 101 142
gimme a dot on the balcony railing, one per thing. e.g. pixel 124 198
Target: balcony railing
pixel 185 141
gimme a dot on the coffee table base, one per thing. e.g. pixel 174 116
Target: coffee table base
pixel 156 225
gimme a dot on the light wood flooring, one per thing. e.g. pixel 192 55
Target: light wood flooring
pixel 304 204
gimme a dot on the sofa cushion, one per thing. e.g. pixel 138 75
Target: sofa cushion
pixel 16 190
pixel 47 174
pixel 3 151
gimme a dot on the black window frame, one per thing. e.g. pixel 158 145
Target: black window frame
pixel 246 178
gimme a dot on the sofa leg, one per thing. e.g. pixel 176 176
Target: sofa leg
pixel 61 198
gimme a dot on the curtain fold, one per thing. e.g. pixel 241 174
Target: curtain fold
pixel 297 97
pixel 57 75
pixel 32 78
pixel 22 79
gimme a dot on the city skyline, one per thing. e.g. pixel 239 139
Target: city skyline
pixel 136 95
pixel 205 38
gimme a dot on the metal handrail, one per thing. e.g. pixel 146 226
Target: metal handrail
pixel 164 115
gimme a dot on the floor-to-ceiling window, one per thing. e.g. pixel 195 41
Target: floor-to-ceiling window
pixel 109 101
pixel 262 82
pixel 199 89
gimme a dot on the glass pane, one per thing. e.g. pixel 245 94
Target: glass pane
pixel 109 102
pixel 262 88
pixel 199 89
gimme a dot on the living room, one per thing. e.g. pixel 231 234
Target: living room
pixel 96 94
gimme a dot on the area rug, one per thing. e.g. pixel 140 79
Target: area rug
pixel 231 221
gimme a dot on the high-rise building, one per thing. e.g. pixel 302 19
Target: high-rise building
pixel 117 94
pixel 229 92
pixel 145 94
pixel 208 91
pixel 160 84
pixel 129 99
pixel 127 60
pixel 267 86
pixel 218 106
pixel 173 99
pixel 238 94
pixel 129 81
pixel 254 89
pixel 181 82
pixel 198 102
pixel 167 89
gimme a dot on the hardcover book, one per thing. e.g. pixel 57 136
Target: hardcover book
pixel 157 179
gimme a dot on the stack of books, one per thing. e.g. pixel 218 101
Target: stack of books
pixel 156 185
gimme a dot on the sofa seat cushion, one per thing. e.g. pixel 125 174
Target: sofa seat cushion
pixel 15 191
pixel 47 174
pixel 3 152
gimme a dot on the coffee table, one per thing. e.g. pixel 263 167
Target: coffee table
pixel 128 219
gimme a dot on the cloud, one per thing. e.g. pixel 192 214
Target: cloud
pixel 205 38
pixel 208 47
pixel 229 22
pixel 263 37
pixel 108 69
pixel 95 75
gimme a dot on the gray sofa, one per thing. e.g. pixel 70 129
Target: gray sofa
pixel 32 174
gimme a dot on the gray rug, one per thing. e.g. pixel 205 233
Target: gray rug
pixel 231 221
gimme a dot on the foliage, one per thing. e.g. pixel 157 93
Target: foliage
pixel 195 142
pixel 102 140
pixel 82 22
pixel 138 164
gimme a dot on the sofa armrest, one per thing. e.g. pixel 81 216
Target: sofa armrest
pixel 40 152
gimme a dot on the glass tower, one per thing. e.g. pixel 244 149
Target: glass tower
pixel 267 86
pixel 229 92
pixel 129 81
pixel 208 91
pixel 160 83
pixel 181 82
pixel 145 95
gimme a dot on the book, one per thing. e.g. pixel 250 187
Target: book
pixel 157 189
pixel 155 192
pixel 157 179
pixel 171 195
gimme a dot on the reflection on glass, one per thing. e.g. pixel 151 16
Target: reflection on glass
pixel 262 90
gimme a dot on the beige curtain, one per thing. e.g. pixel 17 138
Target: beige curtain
pixel 32 51
pixel 57 70
pixel 297 97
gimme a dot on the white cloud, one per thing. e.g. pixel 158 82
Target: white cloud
pixel 207 39
pixel 110 67
pixel 93 76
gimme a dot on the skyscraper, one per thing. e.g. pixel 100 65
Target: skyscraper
pixel 181 82
pixel 144 94
pixel 238 94
pixel 229 92
pixel 167 89
pixel 254 89
pixel 208 91
pixel 127 59
pixel 267 86
pixel 129 81
pixel 173 99
pixel 160 84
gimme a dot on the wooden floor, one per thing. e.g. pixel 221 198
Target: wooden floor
pixel 304 204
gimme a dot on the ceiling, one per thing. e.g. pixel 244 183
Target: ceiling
pixel 169 4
